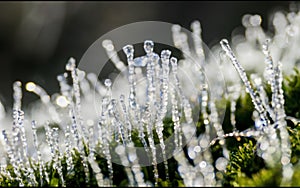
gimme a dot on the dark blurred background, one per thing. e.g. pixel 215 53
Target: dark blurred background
pixel 37 38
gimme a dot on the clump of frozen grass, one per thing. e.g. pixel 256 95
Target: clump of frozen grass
pixel 277 50
pixel 273 138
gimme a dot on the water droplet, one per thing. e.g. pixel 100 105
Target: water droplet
pixel 197 149
pixel 62 101
pixel 221 163
pixel 202 164
pixel 285 160
pixel 30 86
pixel 206 121
pixel 191 153
pixel 60 77
pixel 107 82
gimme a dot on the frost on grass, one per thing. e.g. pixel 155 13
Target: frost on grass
pixel 155 126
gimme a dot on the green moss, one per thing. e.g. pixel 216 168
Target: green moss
pixel 243 114
pixel 243 160
pixel 291 87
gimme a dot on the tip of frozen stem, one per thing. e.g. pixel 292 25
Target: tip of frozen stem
pixel 224 42
pixel 71 64
pixel 107 82
pixel 148 46
pixel 173 61
pixel 165 55
pixel 225 45
pixel 128 50
pixel 196 26
pixel 107 44
pixel 18 83
pixel 30 86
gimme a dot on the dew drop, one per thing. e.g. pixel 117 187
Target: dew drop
pixel 221 163
pixel 107 82
pixel 62 101
pixel 285 160
pixel 30 86
pixel 202 164
pixel 197 149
